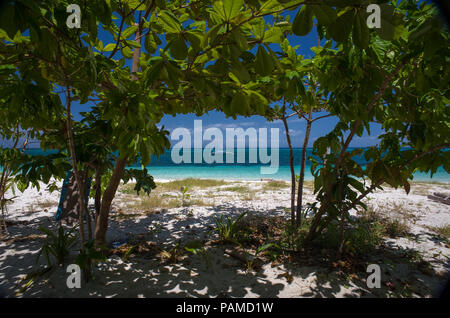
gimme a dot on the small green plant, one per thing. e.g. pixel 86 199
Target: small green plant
pixel 196 247
pixel 7 185
pixel 251 259
pixel 229 230
pixel 185 196
pixel 90 254
pixel 57 245
pixel 293 236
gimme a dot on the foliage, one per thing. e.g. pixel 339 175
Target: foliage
pixel 143 181
pixel 251 258
pixel 384 88
pixel 185 196
pixel 89 254
pixel 57 245
pixel 196 247
pixel 228 230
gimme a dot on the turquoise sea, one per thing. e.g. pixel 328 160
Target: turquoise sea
pixel 164 167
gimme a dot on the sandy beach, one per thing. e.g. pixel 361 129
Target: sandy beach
pixel 414 264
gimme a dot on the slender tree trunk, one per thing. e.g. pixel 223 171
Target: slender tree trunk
pixel 101 225
pixel 4 178
pixel 291 163
pixel 88 214
pixel 341 207
pixel 98 191
pixel 323 205
pixel 6 173
pixel 301 179
pixel 79 182
pixel 75 166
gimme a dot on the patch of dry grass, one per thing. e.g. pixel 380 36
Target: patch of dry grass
pixel 176 185
pixel 45 204
pixel 443 230
pixel 190 183
pixel 392 224
pixel 155 202
pixel 275 185
pixel 250 196
pixel 239 189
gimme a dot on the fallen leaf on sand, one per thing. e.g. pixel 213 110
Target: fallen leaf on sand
pixel 288 277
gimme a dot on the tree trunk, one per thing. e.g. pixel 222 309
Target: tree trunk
pixel 88 214
pixel 101 225
pixel 291 163
pixel 302 169
pixel 75 166
pixel 98 191
pixel 342 232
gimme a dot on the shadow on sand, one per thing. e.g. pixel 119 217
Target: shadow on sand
pixel 218 275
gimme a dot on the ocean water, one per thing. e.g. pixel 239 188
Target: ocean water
pixel 165 168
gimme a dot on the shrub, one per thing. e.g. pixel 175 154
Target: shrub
pixel 57 245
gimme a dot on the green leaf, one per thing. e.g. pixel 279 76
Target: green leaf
pixel 178 48
pixel 150 44
pixel 264 63
pixel 129 32
pixel 273 35
pixel 360 31
pixel 388 23
pixel 127 52
pixel 380 48
pixel 240 39
pixel 133 43
pixel 231 8
pixel 325 15
pixel 109 47
pixel 341 28
pixel 239 103
pixel 303 21
pixel 170 21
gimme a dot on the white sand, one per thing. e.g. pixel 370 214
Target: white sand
pixel 226 276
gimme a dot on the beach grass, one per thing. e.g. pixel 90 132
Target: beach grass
pixel 46 204
pixel 275 185
pixel 175 185
pixel 239 189
pixel 443 230
pixel 155 202
pixel 393 224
